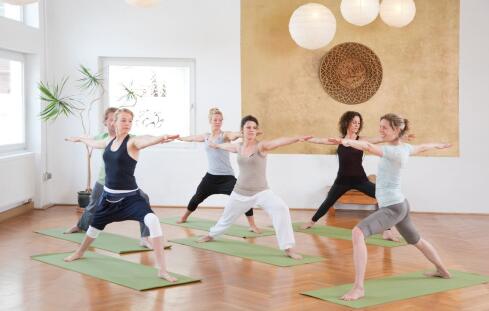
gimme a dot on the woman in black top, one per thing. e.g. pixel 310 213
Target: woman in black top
pixel 351 174
pixel 121 199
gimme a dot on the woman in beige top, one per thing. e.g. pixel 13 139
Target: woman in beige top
pixel 252 188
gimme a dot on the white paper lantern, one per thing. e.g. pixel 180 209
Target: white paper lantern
pixel 397 13
pixel 360 12
pixel 312 26
pixel 19 2
pixel 143 3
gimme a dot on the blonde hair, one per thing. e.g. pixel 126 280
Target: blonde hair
pixel 123 110
pixel 397 122
pixel 214 111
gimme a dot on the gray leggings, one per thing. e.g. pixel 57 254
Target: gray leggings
pixel 386 217
pixel 87 216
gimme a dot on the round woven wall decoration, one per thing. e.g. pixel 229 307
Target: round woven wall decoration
pixel 350 73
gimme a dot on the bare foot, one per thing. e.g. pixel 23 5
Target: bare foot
pixel 308 225
pixel 354 294
pixel 292 254
pixel 73 229
pixel 390 236
pixel 144 242
pixel 182 220
pixel 444 274
pixel 205 238
pixel 255 229
pixel 165 275
pixel 73 257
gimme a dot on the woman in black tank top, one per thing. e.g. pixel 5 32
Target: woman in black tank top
pixel 351 174
pixel 121 199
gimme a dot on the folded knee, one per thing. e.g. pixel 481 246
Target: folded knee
pixel 153 223
pixel 357 234
pixel 93 232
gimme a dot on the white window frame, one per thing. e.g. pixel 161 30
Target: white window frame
pixel 104 63
pixel 22 146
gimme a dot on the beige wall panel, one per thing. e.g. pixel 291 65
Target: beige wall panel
pixel 280 82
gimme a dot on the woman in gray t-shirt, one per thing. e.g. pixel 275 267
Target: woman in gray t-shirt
pixel 252 188
pixel 393 206
pixel 219 178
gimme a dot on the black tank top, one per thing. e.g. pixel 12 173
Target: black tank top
pixel 350 165
pixel 119 167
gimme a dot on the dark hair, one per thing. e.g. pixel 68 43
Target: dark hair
pixel 397 122
pixel 109 111
pixel 248 118
pixel 346 119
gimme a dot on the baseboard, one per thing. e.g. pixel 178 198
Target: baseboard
pixel 16 211
pixel 366 208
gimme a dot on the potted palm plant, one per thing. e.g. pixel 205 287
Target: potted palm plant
pixel 91 92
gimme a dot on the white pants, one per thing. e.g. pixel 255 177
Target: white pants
pixel 272 204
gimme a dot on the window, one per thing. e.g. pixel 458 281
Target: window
pixel 11 11
pixel 165 90
pixel 27 14
pixel 12 113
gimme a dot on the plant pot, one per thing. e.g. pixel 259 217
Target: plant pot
pixel 83 198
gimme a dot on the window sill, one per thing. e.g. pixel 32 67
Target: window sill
pixel 12 155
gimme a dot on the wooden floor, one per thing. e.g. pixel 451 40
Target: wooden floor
pixel 230 283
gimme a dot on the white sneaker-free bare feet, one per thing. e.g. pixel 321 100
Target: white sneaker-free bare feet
pixel 205 238
pixel 73 257
pixel 292 254
pixel 166 276
pixel 255 229
pixel 182 220
pixel 354 294
pixel 444 274
pixel 308 225
pixel 390 236
pixel 74 229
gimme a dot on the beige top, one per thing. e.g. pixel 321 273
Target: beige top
pixel 252 173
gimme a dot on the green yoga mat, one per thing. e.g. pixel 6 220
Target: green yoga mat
pixel 114 243
pixel 114 270
pixel 394 288
pixel 247 250
pixel 205 224
pixel 345 234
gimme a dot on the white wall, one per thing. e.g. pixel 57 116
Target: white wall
pixel 21 172
pixel 208 31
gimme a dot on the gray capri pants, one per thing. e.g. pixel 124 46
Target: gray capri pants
pixel 386 217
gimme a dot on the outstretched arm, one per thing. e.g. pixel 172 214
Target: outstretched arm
pixel 359 144
pixel 319 140
pixel 193 138
pixel 269 145
pixel 378 140
pixel 90 142
pixel 425 147
pixel 232 136
pixel 141 142
pixel 226 146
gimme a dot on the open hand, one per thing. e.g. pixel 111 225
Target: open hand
pixel 305 138
pixel 169 138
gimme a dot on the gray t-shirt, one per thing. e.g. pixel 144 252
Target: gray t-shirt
pixel 388 183
pixel 252 173
pixel 218 159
